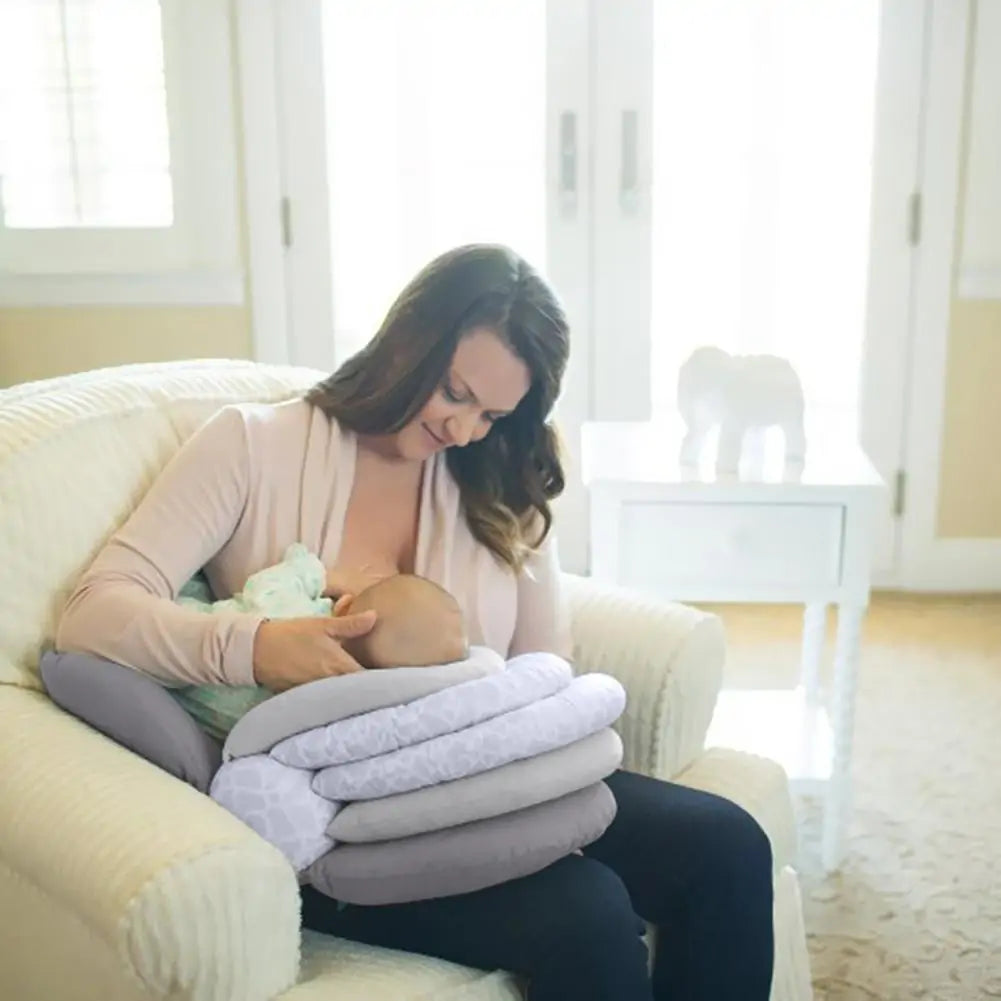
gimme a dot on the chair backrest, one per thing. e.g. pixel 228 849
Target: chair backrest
pixel 76 456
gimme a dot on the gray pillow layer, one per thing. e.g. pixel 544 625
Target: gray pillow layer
pixel 511 787
pixel 133 710
pixel 465 858
pixel 330 699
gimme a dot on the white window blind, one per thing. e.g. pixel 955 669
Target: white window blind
pixel 118 174
pixel 83 115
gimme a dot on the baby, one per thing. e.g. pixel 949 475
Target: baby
pixel 417 624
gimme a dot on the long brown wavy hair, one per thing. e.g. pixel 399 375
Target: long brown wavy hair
pixel 507 479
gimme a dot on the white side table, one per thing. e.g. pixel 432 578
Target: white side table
pixel 770 534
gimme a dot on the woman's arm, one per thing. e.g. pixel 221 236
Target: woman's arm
pixel 123 608
pixel 543 619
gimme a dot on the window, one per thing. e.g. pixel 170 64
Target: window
pixel 117 167
pixel 83 100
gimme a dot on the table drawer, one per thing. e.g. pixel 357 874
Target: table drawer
pixel 678 548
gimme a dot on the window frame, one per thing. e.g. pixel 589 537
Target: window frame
pixel 196 260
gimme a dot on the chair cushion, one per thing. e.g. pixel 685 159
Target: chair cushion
pixel 338 969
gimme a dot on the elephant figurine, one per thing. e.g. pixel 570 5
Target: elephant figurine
pixel 741 394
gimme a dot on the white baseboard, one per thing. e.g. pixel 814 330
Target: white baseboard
pixel 954 566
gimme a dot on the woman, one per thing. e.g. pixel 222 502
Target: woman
pixel 430 452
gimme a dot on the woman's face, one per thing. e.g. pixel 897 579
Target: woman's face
pixel 485 381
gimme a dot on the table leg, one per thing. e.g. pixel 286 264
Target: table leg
pixel 838 805
pixel 814 635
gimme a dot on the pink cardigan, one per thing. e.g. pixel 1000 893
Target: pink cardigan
pixel 252 480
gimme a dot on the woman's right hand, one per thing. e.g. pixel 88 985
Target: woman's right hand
pixel 290 652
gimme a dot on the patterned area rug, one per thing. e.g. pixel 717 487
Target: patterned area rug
pixel 915 912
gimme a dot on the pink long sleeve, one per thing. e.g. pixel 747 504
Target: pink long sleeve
pixel 123 607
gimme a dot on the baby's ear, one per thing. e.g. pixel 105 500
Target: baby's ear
pixel 343 604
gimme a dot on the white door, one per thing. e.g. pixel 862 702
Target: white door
pixel 763 190
pixel 412 126
pixel 895 221
pixel 733 172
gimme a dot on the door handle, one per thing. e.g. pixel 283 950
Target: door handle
pixel 568 164
pixel 629 187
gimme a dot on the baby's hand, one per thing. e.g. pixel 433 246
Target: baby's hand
pixel 342 605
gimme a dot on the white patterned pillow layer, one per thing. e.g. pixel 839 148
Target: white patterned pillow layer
pixel 585 706
pixel 525 679
pixel 279 804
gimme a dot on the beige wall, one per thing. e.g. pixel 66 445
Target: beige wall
pixel 970 486
pixel 39 343
pixel 970 472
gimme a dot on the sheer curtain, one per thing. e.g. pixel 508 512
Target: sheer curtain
pixel 762 151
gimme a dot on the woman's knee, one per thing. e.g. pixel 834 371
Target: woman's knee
pixel 736 844
pixel 747 837
pixel 593 915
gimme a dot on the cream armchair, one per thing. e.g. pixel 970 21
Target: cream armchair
pixel 121 883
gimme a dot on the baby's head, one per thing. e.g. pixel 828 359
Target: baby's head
pixel 417 624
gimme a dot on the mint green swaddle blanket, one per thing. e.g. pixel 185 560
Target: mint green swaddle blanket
pixel 290 589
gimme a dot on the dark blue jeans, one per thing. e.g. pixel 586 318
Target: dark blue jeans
pixel 697 866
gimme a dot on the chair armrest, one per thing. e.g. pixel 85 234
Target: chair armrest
pixel 186 901
pixel 668 657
